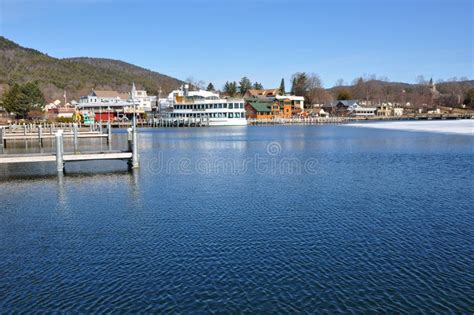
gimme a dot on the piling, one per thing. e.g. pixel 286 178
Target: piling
pixel 109 132
pixel 40 136
pixel 2 135
pixel 59 151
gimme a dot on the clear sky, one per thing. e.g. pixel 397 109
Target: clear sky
pixel 216 41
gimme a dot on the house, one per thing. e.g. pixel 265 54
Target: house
pixel 296 101
pixel 258 109
pixel 398 111
pixel 108 104
pixel 282 105
pixel 362 111
pixel 104 97
pixel 339 108
pixel 385 110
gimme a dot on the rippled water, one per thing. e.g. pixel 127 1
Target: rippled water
pixel 363 221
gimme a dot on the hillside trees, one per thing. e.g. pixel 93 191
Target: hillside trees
pixel 21 99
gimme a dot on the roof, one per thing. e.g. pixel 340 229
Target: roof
pixel 290 97
pixel 110 94
pixel 347 103
pixel 264 92
pixel 261 106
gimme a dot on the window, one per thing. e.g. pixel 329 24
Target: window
pixel 225 105
pixel 231 105
pixel 231 115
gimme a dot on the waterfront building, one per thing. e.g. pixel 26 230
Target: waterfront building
pixel 339 108
pixel 362 111
pixel 282 105
pixel 259 109
pixel 112 105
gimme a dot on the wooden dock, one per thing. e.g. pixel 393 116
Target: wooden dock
pixel 67 157
pixel 61 157
pixel 29 132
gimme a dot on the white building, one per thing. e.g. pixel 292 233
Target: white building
pixel 358 110
pixel 297 101
pixel 398 111
pixel 106 100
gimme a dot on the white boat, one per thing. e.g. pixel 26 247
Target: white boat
pixel 187 106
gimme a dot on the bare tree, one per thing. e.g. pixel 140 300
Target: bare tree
pixel 339 82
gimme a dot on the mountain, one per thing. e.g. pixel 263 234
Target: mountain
pixel 76 76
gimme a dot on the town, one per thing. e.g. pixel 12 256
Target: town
pixel 191 105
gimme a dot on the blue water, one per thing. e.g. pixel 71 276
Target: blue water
pixel 320 219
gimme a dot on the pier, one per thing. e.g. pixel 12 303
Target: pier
pixel 41 132
pixel 61 157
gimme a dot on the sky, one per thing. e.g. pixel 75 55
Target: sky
pixel 218 41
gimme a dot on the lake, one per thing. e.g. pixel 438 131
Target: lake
pixel 285 219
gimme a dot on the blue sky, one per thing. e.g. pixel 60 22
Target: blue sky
pixel 264 40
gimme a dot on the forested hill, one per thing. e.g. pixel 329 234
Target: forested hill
pixel 77 76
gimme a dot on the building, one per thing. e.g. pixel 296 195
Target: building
pixel 338 108
pixel 112 105
pixel 104 97
pixel 385 110
pixel 259 109
pixel 296 101
pixel 362 111
pixel 284 106
pixel 263 92
pixel 398 111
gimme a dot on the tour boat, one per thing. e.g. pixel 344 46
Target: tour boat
pixel 208 107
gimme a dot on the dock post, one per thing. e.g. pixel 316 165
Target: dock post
pixel 2 137
pixel 129 139
pixel 40 136
pixel 59 151
pixel 76 136
pixel 133 146
pixel 109 133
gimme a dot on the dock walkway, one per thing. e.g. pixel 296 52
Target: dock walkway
pixel 61 157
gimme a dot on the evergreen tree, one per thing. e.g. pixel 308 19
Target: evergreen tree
pixel 282 86
pixel 230 88
pixel 210 87
pixel 343 95
pixel 21 99
pixel 300 83
pixel 257 86
pixel 244 85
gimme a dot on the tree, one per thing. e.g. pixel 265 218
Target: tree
pixel 282 86
pixel 469 100
pixel 210 87
pixel 344 95
pixel 244 85
pixel 230 88
pixel 313 90
pixel 257 86
pixel 339 82
pixel 300 82
pixel 21 99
